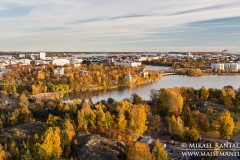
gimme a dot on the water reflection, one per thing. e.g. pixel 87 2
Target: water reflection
pixel 168 82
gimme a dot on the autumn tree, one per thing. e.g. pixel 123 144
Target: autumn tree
pixel 51 146
pixel 228 96
pixel 139 151
pixel 175 126
pixel 53 120
pixel 2 153
pixel 226 124
pixel 100 117
pixel 26 115
pixel 204 92
pixel 68 128
pixel 172 101
pixel 191 134
pixel 26 155
pixel 86 117
pixel 40 76
pixel 23 101
pixel 159 151
pixel 138 118
pixel 108 119
pixel 196 120
pixel 153 122
pixel 121 120
pixel 135 99
pixel 82 123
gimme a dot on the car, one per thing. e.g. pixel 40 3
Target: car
pixel 168 150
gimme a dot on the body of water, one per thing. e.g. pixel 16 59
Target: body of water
pixel 167 82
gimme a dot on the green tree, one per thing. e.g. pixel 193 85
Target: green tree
pixel 26 155
pixel 136 99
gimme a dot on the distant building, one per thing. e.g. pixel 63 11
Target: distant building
pixel 32 56
pixel 132 64
pixel 60 62
pixel 75 62
pixel 217 66
pixel 59 71
pixel 232 66
pixel 139 59
pixel 144 72
pixel 25 61
pixel 42 55
pixel 21 56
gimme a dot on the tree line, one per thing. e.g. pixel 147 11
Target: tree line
pixel 45 80
pixel 125 120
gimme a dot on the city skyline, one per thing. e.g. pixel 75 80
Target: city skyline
pixel 103 25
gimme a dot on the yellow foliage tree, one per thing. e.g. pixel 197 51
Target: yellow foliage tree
pixel 175 126
pixel 69 129
pixel 2 152
pixel 171 100
pixel 82 123
pixel 100 116
pixel 204 92
pixel 121 120
pixel 139 151
pixel 160 153
pixel 51 146
pixel 226 124
pixel 23 101
pixel 139 118
pixel 41 76
pixel 52 120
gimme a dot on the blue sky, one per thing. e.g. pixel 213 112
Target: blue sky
pixel 126 25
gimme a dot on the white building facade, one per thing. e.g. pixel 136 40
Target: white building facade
pixel 232 66
pixel 132 64
pixel 60 62
pixel 59 71
pixel 42 55
pixel 217 66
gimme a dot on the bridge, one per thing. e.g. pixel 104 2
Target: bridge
pixel 168 74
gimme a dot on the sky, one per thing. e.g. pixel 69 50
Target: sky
pixel 120 25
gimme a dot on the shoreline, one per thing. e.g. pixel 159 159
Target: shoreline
pixel 60 94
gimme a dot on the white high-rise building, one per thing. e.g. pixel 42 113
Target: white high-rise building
pixel 42 55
